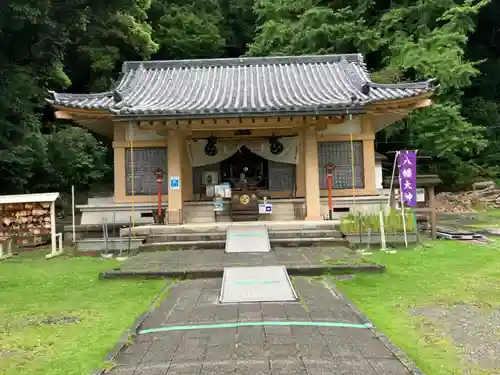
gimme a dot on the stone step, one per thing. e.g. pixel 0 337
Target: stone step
pixel 113 244
pixel 221 227
pixel 221 244
pixel 204 236
pixel 186 237
pixel 305 233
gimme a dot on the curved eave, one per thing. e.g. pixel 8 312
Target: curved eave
pixel 81 112
pixel 96 121
pixel 413 102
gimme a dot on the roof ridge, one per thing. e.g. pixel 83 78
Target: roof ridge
pixel 120 93
pixel 64 96
pixel 280 85
pixel 361 84
pixel 404 85
pixel 351 73
pixel 242 61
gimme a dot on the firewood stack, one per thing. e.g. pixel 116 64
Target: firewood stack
pixel 484 195
pixel 28 222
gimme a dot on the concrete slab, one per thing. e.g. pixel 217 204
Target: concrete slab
pixel 256 284
pixel 309 261
pixel 247 239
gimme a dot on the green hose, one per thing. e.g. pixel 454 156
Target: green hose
pixel 254 324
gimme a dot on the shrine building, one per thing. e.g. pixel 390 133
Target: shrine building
pixel 266 126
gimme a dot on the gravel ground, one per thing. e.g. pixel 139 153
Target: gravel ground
pixel 475 331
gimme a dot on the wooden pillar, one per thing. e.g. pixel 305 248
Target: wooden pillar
pixel 300 173
pixel 187 173
pixel 313 205
pixel 369 168
pixel 119 162
pixel 433 216
pixel 175 196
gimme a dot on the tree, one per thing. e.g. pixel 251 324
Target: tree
pixel 36 40
pixel 407 40
pixel 186 30
pixel 74 157
pixel 80 45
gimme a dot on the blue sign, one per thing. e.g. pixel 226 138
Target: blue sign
pixel 265 208
pixel 175 183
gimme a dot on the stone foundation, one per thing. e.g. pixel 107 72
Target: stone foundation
pixel 103 209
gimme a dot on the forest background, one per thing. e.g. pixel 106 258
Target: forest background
pixel 79 46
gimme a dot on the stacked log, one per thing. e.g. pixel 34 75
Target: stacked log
pixel 469 201
pixel 29 223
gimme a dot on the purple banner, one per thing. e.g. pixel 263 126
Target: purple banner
pixel 407 164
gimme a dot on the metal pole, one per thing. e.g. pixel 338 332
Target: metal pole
pixel 383 246
pixel 158 183
pixel 360 230
pixel 104 235
pixel 121 243
pixel 392 181
pixel 107 236
pixel 73 211
pixel 433 216
pixel 114 216
pixel 129 234
pixel 329 177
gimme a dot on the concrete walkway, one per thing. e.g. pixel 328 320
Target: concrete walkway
pixel 256 350
pixel 210 263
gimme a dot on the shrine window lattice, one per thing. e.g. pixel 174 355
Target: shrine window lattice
pixel 145 161
pixel 340 155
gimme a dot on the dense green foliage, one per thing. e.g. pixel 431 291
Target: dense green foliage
pixel 79 46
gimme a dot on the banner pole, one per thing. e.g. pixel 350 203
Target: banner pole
pixel 392 180
pixel 383 246
pixel 403 216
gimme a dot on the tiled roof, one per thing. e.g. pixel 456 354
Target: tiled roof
pixel 379 156
pixel 296 85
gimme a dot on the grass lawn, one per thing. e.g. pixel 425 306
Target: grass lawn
pixel 444 274
pixel 57 318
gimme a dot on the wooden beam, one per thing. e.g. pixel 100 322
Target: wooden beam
pixel 100 126
pixel 63 115
pixel 84 112
pixel 237 123
pixel 413 102
pixel 255 133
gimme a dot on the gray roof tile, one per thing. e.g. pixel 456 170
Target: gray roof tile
pixel 326 84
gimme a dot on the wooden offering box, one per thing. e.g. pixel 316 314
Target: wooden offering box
pixel 244 205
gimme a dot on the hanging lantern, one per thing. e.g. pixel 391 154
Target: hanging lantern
pixel 275 146
pixel 211 146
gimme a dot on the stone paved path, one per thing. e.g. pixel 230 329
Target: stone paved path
pixel 269 350
pixel 209 259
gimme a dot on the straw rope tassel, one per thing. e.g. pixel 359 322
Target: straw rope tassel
pixel 131 140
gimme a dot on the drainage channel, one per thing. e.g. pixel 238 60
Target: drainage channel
pixel 256 284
